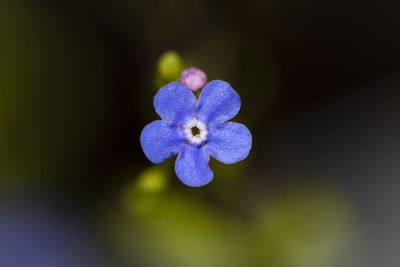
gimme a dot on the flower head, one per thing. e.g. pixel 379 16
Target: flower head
pixel 195 130
pixel 194 78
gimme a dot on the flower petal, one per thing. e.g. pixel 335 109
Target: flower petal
pixel 175 102
pixel 192 167
pixel 217 103
pixel 229 142
pixel 160 140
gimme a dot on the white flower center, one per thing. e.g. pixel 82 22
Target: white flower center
pixel 196 131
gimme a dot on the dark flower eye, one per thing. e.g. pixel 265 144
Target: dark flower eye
pixel 195 131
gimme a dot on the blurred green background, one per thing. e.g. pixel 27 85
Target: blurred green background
pixel 319 87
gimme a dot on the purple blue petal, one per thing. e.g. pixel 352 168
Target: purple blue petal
pixel 229 142
pixel 160 140
pixel 175 102
pixel 217 103
pixel 192 166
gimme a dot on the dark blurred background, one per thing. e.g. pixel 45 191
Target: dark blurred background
pixel 319 83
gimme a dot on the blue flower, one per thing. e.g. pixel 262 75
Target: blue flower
pixel 195 130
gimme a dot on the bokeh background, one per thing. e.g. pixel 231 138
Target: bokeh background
pixel 319 83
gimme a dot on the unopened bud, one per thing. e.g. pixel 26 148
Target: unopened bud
pixel 194 78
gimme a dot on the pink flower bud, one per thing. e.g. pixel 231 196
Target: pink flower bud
pixel 194 78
